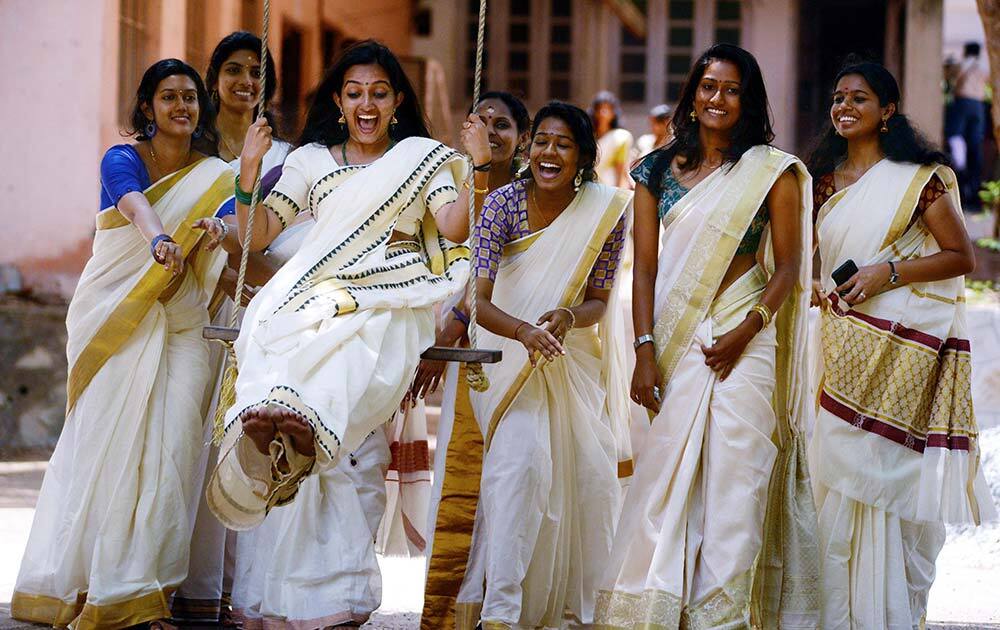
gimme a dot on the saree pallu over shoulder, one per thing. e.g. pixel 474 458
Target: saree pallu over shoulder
pixel 332 306
pixel 121 281
pixel 705 229
pixel 896 427
pixel 562 286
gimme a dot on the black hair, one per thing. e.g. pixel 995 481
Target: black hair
pixel 580 126
pixel 605 97
pixel 971 49
pixel 321 121
pixel 240 40
pixel 516 106
pixel 752 129
pixel 901 143
pixel 206 138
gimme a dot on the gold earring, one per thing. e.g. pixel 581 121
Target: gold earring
pixel 393 121
pixel 694 115
pixel 342 120
pixel 578 180
pixel 885 127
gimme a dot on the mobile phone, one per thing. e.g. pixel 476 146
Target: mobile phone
pixel 844 272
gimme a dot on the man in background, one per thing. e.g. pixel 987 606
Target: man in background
pixel 966 123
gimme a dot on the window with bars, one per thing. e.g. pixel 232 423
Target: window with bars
pixel 727 22
pixel 560 49
pixel 472 30
pixel 519 48
pixel 137 43
pixel 530 28
pixel 680 45
pixel 632 68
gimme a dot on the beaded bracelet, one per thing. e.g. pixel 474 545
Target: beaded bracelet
pixel 243 197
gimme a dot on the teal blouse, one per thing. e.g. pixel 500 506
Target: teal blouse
pixel 671 191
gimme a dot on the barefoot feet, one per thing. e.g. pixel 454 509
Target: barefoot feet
pixel 262 423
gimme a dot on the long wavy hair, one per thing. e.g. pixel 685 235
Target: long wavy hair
pixel 752 129
pixel 902 143
pixel 206 138
pixel 321 121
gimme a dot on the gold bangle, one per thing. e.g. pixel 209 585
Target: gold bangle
pixel 572 317
pixel 765 313
pixel 478 191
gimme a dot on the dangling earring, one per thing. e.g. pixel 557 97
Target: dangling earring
pixel 393 122
pixel 150 130
pixel 215 98
pixel 885 127
pixel 578 180
pixel 198 131
pixel 693 115
pixel 342 120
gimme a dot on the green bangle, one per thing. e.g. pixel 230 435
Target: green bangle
pixel 242 196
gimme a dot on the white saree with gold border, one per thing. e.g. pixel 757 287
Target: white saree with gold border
pixel 554 435
pixel 894 450
pixel 718 526
pixel 336 334
pixel 110 538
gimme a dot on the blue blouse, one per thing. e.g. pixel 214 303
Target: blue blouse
pixel 671 191
pixel 122 172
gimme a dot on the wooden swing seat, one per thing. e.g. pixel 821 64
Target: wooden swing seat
pixel 434 353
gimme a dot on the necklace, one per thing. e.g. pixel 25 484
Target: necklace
pixel 538 208
pixel 343 152
pixel 229 148
pixel 156 160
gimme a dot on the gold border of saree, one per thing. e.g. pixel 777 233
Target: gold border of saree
pixel 612 214
pixel 87 616
pixel 126 317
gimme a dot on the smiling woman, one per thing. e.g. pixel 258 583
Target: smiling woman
pixel 111 534
pixel 554 418
pixel 718 380
pixel 328 346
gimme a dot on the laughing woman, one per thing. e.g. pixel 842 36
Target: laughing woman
pixel 110 539
pixel 895 448
pixel 328 346
pixel 721 379
pixel 458 455
pixel 547 252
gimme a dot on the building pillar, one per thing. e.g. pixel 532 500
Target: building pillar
pixel 923 73
pixel 173 29
pixel 770 32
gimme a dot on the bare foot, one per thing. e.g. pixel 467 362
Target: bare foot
pixel 259 424
pixel 299 431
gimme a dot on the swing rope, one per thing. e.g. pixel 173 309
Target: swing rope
pixel 474 374
pixel 227 392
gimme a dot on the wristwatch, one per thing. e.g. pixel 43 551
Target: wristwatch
pixel 641 339
pixel 893 275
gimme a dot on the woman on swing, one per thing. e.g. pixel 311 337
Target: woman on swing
pixel 328 345
pixel 110 539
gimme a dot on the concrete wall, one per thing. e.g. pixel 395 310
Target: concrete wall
pixel 55 81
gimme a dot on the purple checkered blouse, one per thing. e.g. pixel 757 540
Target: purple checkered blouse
pixel 505 219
